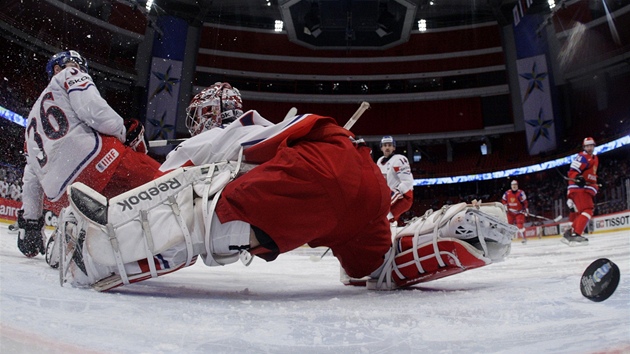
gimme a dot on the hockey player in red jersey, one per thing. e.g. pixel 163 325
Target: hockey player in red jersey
pixel 517 206
pixel 268 188
pixel 581 192
pixel 397 172
pixel 73 135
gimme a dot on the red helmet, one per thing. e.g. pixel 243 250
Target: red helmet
pixel 213 107
pixel 588 141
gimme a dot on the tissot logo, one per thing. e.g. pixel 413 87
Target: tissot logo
pixel 148 194
pixel 617 221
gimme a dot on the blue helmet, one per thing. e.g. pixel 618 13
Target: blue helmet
pixel 62 58
pixel 388 139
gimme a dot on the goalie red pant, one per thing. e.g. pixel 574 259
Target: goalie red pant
pixel 321 190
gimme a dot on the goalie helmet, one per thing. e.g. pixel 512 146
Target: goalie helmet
pixel 388 140
pixel 215 106
pixel 62 58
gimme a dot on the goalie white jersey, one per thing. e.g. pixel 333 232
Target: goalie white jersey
pixel 218 144
pixel 224 144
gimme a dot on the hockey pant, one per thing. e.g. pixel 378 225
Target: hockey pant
pixel 449 241
pixel 155 229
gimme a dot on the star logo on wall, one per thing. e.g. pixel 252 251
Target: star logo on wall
pixel 534 80
pixel 161 130
pixel 541 127
pixel 166 82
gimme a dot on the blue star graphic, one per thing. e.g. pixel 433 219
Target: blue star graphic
pixel 162 130
pixel 534 81
pixel 166 82
pixel 541 127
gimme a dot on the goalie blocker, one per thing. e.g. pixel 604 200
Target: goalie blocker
pixel 165 225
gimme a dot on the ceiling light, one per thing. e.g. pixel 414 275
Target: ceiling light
pixel 278 26
pixel 422 25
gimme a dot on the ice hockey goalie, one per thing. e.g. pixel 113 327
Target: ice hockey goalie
pixel 166 225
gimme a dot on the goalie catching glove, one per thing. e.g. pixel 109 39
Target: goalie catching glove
pixel 135 135
pixel 31 235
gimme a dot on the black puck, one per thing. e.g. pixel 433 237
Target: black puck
pixel 600 280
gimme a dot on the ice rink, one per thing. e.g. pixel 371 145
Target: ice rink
pixel 531 303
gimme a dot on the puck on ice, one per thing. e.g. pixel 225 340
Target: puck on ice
pixel 600 280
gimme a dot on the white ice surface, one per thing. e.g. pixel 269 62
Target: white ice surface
pixel 531 303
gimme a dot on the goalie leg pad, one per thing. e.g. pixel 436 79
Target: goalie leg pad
pixel 446 242
pixel 149 225
pixel 482 225
pixel 151 218
pixel 75 264
pixel 78 268
pixel 427 262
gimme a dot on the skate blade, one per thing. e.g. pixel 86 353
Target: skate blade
pixel 573 243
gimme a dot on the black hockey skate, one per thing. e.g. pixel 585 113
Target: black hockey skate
pixel 572 239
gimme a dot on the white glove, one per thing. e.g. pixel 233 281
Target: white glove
pixel 571 205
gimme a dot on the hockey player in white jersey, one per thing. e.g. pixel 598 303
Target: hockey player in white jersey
pixel 397 172
pixel 72 135
pixel 305 180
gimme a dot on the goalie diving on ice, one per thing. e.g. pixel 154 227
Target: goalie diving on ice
pixel 263 188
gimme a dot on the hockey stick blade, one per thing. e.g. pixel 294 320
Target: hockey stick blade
pixel 355 117
pixel 315 258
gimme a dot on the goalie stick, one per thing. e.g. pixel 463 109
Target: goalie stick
pixel 355 117
pixel 315 258
pixel 160 143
